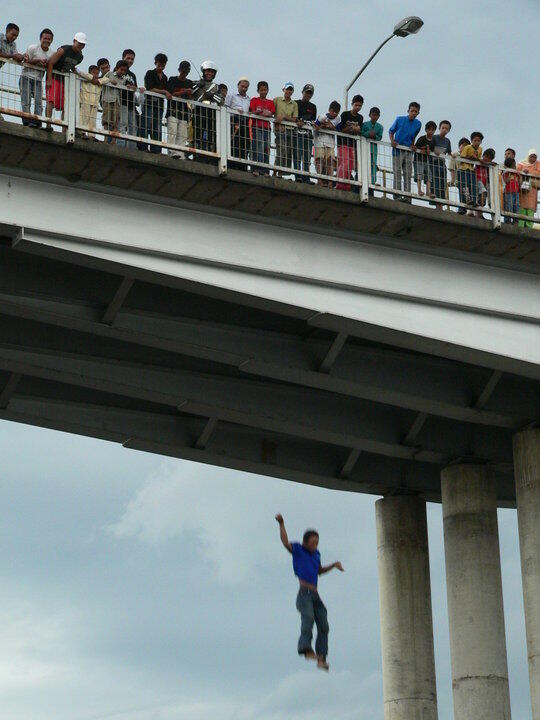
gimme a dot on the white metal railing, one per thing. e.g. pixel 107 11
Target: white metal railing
pixel 206 132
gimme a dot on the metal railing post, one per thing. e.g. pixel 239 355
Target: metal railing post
pixel 363 152
pixel 222 140
pixel 494 196
pixel 71 106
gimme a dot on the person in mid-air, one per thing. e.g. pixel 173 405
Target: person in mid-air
pixel 307 567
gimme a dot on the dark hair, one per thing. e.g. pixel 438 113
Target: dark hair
pixel 431 125
pixel 358 98
pixel 121 63
pixel 128 51
pixel 490 153
pixel 445 122
pixel 102 61
pixel 161 57
pixel 414 104
pixel 375 109
pixel 261 83
pixel 308 535
pixel 511 150
pixel 46 31
pixel 509 162
pixel 476 134
pixel 92 67
pixel 334 105
pixel 222 86
pixel 12 26
pixel 464 140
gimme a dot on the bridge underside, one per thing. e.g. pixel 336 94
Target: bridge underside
pixel 182 372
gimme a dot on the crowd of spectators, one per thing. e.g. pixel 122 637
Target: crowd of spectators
pixel 134 115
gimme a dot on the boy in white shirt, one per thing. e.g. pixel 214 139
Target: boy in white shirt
pixel 324 143
pixel 31 79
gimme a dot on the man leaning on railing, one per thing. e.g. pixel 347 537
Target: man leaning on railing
pixel 64 60
pixel 35 58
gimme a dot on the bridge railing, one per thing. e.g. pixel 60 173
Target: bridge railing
pixel 207 132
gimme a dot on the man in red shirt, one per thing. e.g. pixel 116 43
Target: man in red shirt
pixel 260 129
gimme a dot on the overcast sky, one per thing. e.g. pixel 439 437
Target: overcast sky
pixel 138 588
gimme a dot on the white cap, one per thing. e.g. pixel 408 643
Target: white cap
pixel 80 37
pixel 532 151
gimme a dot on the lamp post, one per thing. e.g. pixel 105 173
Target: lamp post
pixel 408 26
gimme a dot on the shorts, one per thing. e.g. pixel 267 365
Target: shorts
pixel 324 153
pixel 55 94
pixel 110 115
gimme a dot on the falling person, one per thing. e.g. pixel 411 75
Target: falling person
pixel 307 567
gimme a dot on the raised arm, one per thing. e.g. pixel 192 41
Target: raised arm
pixel 283 533
pixel 326 568
pixel 52 61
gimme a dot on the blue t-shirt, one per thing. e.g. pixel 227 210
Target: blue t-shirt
pixel 405 131
pixel 305 564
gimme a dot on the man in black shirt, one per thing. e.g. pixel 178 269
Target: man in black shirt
pixel 178 113
pixel 155 82
pixel 351 124
pixel 129 117
pixel 307 114
pixel 64 60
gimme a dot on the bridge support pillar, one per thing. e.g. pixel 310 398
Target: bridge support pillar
pixel 474 589
pixel 527 472
pixel 405 609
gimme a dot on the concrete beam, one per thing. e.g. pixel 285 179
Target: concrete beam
pixel 474 588
pixel 527 472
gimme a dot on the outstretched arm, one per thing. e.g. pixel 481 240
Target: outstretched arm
pixel 326 568
pixel 283 533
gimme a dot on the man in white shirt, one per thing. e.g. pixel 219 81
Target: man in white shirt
pixel 238 102
pixel 31 80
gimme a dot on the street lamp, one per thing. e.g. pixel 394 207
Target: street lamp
pixel 408 26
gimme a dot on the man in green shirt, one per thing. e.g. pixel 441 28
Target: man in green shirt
pixel 285 127
pixel 373 130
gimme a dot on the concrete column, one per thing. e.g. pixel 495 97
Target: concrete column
pixel 405 608
pixel 474 589
pixel 527 472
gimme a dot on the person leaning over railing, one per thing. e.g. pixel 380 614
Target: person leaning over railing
pixel 325 156
pixel 260 129
pixel 239 102
pixel 31 80
pixel 466 176
pixel 64 60
pixel 403 131
pixel 307 114
pixel 178 114
pixel 373 130
pixel 89 99
pixel 114 83
pixel 530 184
pixel 155 81
pixel 286 112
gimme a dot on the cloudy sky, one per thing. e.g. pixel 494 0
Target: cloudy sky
pixel 138 588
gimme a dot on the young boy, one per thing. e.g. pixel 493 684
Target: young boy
pixel 307 567
pixel 403 131
pixel 373 130
pixel 260 143
pixel 324 142
pixel 466 176
pixel 223 90
pixel 89 100
pixel 441 149
pixel 422 166
pixel 511 190
pixel 110 97
pixel 31 80
pixel 482 177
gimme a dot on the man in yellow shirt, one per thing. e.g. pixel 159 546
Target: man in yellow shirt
pixel 285 127
pixel 466 176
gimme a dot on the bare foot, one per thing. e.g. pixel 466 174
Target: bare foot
pixel 322 664
pixel 310 655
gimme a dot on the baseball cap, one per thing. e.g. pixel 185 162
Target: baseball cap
pixel 308 86
pixel 288 85
pixel 185 65
pixel 80 37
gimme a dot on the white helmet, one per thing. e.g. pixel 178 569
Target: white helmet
pixel 208 65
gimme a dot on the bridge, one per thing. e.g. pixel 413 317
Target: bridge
pixel 300 332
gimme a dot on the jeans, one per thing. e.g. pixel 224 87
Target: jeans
pixel 438 175
pixel 151 118
pixel 312 610
pixel 346 164
pixel 467 186
pixel 31 87
pixel 511 204
pixel 302 154
pixel 260 148
pixel 129 125
pixel 285 144
pixel 402 165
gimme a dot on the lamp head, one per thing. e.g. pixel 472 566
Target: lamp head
pixel 408 26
